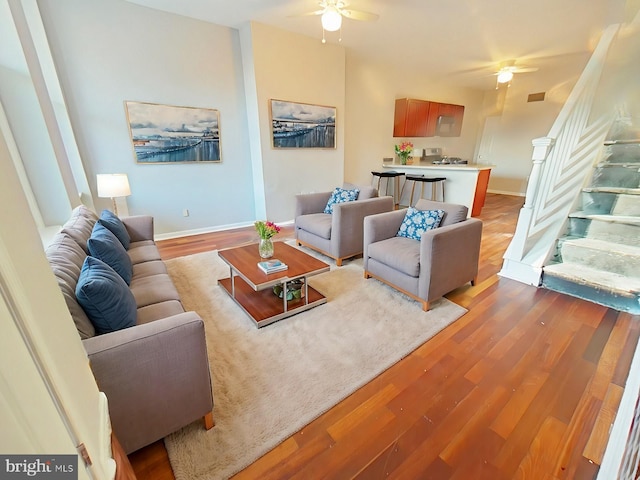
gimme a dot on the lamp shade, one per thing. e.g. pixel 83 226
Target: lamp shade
pixel 331 19
pixel 112 185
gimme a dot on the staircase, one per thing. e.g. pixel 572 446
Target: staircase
pixel 598 258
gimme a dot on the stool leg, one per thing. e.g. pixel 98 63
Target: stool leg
pixel 413 188
pixel 402 192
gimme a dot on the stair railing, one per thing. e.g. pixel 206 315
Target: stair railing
pixel 562 162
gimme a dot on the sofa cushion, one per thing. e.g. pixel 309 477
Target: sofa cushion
pixel 156 311
pixel 145 269
pixel 318 224
pixel 115 225
pixel 140 252
pixel 416 222
pixel 399 253
pixel 80 225
pixel 66 258
pixel 105 297
pixel 105 246
pixel 153 289
pixel 340 195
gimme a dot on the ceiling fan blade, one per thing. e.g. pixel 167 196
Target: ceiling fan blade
pixel 358 15
pixel 524 69
pixel 307 14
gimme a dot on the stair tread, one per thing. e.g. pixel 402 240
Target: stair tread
pixel 618 164
pixel 605 246
pixel 622 142
pixel 584 275
pixel 607 217
pixel 624 190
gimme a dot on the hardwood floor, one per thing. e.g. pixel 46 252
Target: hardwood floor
pixel 525 385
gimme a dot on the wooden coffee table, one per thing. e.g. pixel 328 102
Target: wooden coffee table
pixel 252 289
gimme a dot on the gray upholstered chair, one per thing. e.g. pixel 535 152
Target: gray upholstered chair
pixel 339 234
pixel 444 258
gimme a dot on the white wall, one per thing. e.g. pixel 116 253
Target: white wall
pixel 371 90
pixel 107 52
pixel 31 364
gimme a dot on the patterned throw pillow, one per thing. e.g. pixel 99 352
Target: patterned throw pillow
pixel 340 195
pixel 416 222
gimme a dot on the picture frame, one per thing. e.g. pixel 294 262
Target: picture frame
pixel 302 125
pixel 170 134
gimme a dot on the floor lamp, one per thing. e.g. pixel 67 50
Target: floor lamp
pixel 112 185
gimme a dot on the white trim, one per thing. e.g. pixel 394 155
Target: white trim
pixel 200 231
pixel 522 272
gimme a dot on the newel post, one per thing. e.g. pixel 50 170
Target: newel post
pixel 514 265
pixel 541 147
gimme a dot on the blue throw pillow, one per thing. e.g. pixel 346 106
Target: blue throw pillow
pixel 340 195
pixel 104 297
pixel 416 222
pixel 113 223
pixel 105 246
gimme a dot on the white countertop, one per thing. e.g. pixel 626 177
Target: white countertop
pixel 451 166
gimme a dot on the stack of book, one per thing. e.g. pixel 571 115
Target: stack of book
pixel 272 266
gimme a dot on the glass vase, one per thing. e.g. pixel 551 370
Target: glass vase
pixel 265 247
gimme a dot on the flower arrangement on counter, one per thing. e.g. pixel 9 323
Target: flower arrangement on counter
pixel 404 151
pixel 266 229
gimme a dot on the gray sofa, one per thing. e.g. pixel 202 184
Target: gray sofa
pixel 155 374
pixel 339 234
pixel 444 258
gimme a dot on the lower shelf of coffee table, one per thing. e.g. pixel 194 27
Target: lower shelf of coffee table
pixel 263 306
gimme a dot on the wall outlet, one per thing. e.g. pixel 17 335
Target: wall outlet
pixel 185 212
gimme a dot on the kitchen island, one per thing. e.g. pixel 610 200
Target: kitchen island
pixel 466 184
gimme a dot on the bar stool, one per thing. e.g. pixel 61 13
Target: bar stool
pixel 434 181
pixel 391 174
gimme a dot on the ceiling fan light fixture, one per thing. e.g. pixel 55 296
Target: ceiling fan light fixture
pixel 331 19
pixel 505 76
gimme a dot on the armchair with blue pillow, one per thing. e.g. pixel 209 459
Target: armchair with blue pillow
pixel 332 222
pixel 424 252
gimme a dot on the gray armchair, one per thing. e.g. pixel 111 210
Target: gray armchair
pixel 337 235
pixel 444 259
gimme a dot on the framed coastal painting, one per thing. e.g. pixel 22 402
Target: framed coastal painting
pixel 302 125
pixel 168 134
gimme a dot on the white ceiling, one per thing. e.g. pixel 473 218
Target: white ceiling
pixel 463 40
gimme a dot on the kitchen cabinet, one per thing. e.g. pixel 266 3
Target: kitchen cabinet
pixel 423 118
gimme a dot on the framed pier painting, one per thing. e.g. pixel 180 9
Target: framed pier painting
pixel 302 125
pixel 167 134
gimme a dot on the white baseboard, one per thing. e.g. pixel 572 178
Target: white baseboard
pixel 200 231
pixel 503 192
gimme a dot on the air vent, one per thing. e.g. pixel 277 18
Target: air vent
pixel 536 97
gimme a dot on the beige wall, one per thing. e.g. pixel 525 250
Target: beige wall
pixel 301 69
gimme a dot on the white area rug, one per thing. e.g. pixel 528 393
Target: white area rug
pixel 269 383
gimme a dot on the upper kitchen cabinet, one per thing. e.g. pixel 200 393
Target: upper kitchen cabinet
pixel 412 118
pixel 421 118
pixel 448 120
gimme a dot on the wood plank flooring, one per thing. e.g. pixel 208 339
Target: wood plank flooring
pixel 524 386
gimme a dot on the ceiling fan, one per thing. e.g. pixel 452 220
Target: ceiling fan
pixel 507 69
pixel 332 11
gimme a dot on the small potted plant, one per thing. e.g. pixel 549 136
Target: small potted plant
pixel 404 151
pixel 266 230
